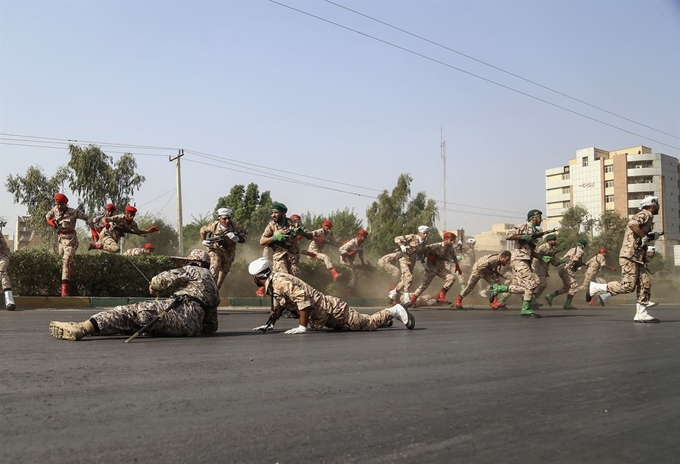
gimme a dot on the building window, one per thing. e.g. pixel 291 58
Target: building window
pixel 566 204
pixel 565 176
pixel 565 190
pixel 609 199
pixel 585 162
pixel 608 184
pixel 609 168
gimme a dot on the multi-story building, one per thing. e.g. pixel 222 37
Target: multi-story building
pixel 603 181
pixel 494 240
pixel 24 235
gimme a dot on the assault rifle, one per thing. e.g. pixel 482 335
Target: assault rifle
pixel 273 317
pixel 642 241
pixel 124 231
pixel 213 239
pixel 542 233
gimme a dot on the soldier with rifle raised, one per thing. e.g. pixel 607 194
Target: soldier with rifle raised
pixel 280 234
pixel 116 227
pixel 190 311
pixel 570 263
pixel 221 237
pixel 525 237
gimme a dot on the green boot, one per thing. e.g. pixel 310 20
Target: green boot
pixel 549 297
pixel 567 304
pixel 527 311
pixel 494 290
pixel 535 304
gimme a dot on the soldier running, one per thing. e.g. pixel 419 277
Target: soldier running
pixel 191 311
pixel 348 252
pixel 314 308
pixel 63 219
pixel 321 237
pixel 593 266
pixel 388 264
pixel 437 255
pixel 487 268
pixel 10 305
pixel 411 246
pixel 147 249
pixel 540 266
pixel 570 263
pixel 632 261
pixel 221 237
pixel 116 227
pixel 98 220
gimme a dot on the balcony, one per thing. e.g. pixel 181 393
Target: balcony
pixel 644 187
pixel 635 172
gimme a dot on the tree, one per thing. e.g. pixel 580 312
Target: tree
pixel 396 214
pixel 575 224
pixel 36 191
pixel 97 180
pixel 345 223
pixel 191 231
pixel 610 227
pixel 250 208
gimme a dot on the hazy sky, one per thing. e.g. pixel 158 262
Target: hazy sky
pixel 251 81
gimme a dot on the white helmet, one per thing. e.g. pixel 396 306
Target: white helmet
pixel 471 241
pixel 259 268
pixel 649 200
pixel 423 229
pixel 651 249
pixel 224 213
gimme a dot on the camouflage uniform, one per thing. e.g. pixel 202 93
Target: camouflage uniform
pixel 567 271
pixel 436 257
pixel 631 259
pixel 319 240
pixel 348 252
pixel 136 252
pixel 486 268
pixel 194 314
pixel 110 237
pixel 222 253
pixel 4 263
pixel 68 239
pixel 414 251
pixel 388 264
pixel 293 294
pixel 524 279
pixel 594 265
pixel 540 267
pixel 286 254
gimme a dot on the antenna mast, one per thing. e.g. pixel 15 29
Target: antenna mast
pixel 443 146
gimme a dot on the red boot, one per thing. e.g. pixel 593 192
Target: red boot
pixel 459 302
pixel 442 297
pixel 260 292
pixel 594 302
pixel 64 288
pixel 497 304
pixel 334 274
pixel 414 297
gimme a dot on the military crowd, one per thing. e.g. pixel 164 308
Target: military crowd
pixel 192 309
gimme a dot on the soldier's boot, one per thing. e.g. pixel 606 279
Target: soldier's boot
pixel 458 304
pixel 594 302
pixel 392 295
pixel 527 311
pixel 494 290
pixel 549 297
pixel 335 274
pixel 642 315
pixel 594 288
pixel 402 314
pixel 604 297
pixel 442 297
pixel 413 299
pixel 260 292
pixel 498 302
pixel 71 330
pixel 94 246
pixel 64 288
pixel 9 300
pixel 567 303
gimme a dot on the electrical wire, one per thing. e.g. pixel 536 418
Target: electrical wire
pixel 66 148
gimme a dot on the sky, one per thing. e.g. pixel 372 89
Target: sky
pixel 326 107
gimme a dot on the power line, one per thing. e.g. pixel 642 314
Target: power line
pixel 499 69
pixel 471 74
pixel 66 148
pixel 108 144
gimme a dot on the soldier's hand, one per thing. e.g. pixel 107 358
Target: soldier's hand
pixel 232 236
pixel 297 330
pixel 153 229
pixel 403 248
pixel 527 237
pixel 95 235
pixel 547 259
pixel 206 243
pixel 279 237
pixel 653 236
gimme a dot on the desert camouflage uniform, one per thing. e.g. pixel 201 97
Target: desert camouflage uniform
pixel 316 245
pixel 222 254
pixel 285 255
pixel 136 252
pixel 487 268
pixel 436 257
pixel 414 251
pixel 348 252
pixel 110 238
pixel 631 259
pixel 388 264
pixel 524 279
pixel 594 265
pixel 98 222
pixel 324 310
pixel 68 239
pixel 4 264
pixel 195 313
pixel 540 267
pixel 567 271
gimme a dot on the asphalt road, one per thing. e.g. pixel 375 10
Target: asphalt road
pixel 464 386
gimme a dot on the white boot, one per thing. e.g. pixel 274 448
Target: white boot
pixel 401 314
pixel 593 289
pixel 392 295
pixel 604 298
pixel 642 315
pixel 9 301
pixel 406 298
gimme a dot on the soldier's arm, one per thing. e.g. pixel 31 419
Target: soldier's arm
pixel 168 279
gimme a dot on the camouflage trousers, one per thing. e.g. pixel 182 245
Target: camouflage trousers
pixel 326 260
pixel 406 267
pixel 286 262
pixel 542 275
pixel 68 244
pixel 386 265
pixel 109 244
pixel 569 284
pixel 4 275
pixel 524 279
pixel 184 320
pixel 220 263
pixel 475 277
pixel 356 321
pixel 633 277
pixel 436 271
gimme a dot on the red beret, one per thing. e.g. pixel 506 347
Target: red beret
pixel 362 232
pixel 449 235
pixel 110 207
pixel 60 198
pixel 327 223
pixel 130 209
pixel 149 246
pixel 295 216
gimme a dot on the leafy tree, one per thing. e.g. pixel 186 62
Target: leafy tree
pixel 36 191
pixel 398 214
pixel 576 224
pixel 610 227
pixel 97 180
pixel 165 240
pixel 192 238
pixel 345 223
pixel 251 208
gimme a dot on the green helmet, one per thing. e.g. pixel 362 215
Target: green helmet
pixel 550 237
pixel 582 242
pixel 534 213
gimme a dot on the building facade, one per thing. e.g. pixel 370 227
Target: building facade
pixel 603 181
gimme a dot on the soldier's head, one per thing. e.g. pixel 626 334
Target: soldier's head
pixel 535 217
pixel 582 243
pixel 296 219
pixel 361 236
pixel 195 257
pixel 651 204
pixel 326 225
pixel 130 212
pixel 110 209
pixel 61 201
pixel 279 211
pixel 422 232
pixel 602 251
pixel 260 270
pixel 224 215
pixel 471 242
pixel 651 251
pixel 449 238
pixel 504 258
pixel 551 239
pixel 149 247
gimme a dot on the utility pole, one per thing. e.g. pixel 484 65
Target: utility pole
pixel 443 144
pixel 179 200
